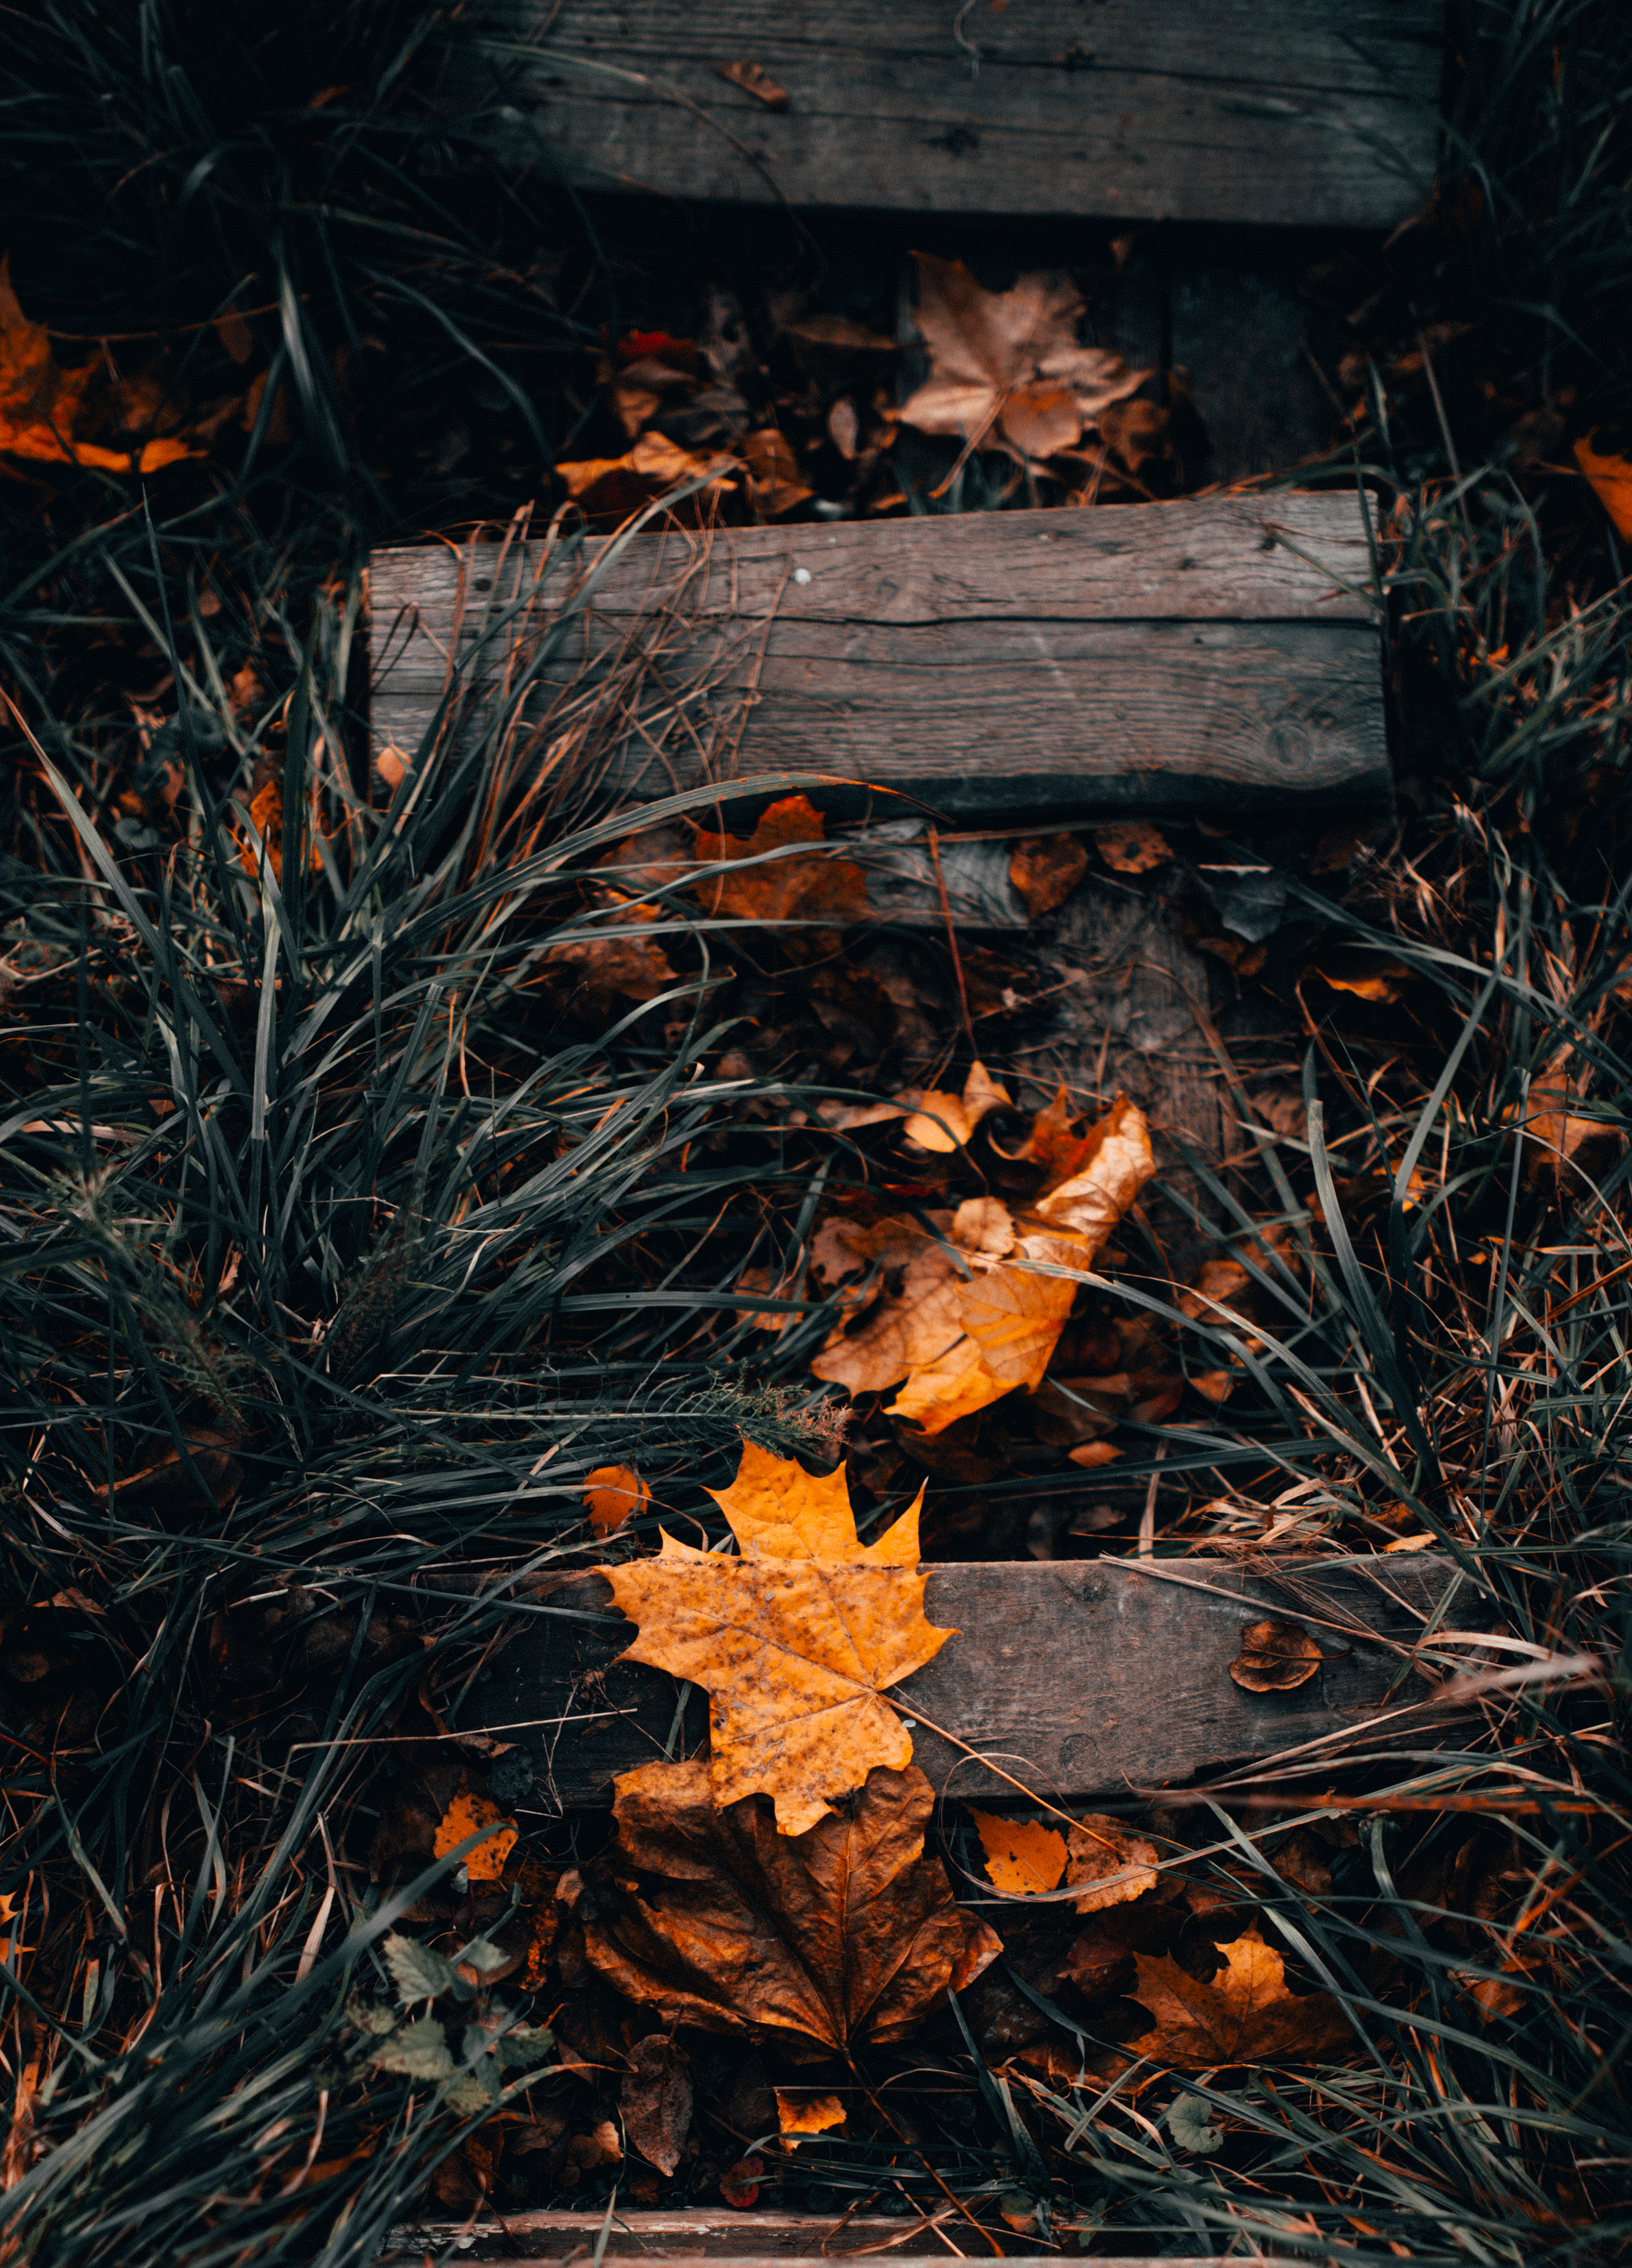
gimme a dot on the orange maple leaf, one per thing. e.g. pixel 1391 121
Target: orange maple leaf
pixel 1247 2016
pixel 786 884
pixel 795 1641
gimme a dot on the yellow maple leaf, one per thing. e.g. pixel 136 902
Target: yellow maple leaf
pixel 794 1642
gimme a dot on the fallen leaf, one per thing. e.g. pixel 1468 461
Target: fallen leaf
pixel 606 490
pixel 1140 433
pixel 1111 1864
pixel 1116 1165
pixel 1023 1857
pixel 795 1641
pixel 710 1915
pixel 1563 1147
pixel 739 2184
pixel 1275 1657
pixel 964 1331
pixel 1006 369
pixel 1017 2212
pixel 1364 988
pixel 1044 870
pixel 1247 2016
pixel 787 884
pixel 800 2112
pixel 1611 483
pixel 1188 2123
pixel 41 404
pixel 774 481
pixel 594 975
pixel 757 82
pixel 1132 847
pixel 1094 1452
pixel 946 1122
pixel 468 1810
pixel 601 2146
pixel 772 1281
pixel 612 1494
pixel 655 2100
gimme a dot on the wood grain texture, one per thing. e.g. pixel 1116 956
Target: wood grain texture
pixel 1155 658
pixel 1306 112
pixel 753 2240
pixel 1096 1675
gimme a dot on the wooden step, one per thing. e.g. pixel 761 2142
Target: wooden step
pixel 1214 655
pixel 1288 113
pixel 1105 1676
pixel 752 2240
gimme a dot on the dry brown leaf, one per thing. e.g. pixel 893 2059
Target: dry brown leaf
pixel 1045 869
pixel 1023 1857
pixel 799 886
pixel 1006 369
pixel 800 2112
pixel 773 469
pixel 594 975
pixel 962 1335
pixel 944 1122
pixel 1111 1864
pixel 607 489
pixel 1132 846
pixel 1611 483
pixel 655 2100
pixel 1114 1166
pixel 795 1642
pixel 612 1494
pixel 708 1916
pixel 468 1810
pixel 1246 2016
pixel 1094 1452
pixel 754 79
pixel 1563 1147
pixel 1275 1657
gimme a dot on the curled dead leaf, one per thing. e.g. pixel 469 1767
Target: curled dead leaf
pixel 945 1122
pixel 606 490
pixel 758 82
pixel 594 974
pixel 795 1641
pixel 612 1494
pixel 773 470
pixel 1275 1657
pixel 708 1916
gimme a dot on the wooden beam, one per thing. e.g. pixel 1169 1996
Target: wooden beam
pixel 1296 113
pixel 1215 654
pixel 753 2240
pixel 1086 1676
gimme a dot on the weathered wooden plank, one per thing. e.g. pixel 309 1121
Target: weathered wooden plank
pixel 753 2240
pixel 1154 658
pixel 1085 1675
pixel 1305 113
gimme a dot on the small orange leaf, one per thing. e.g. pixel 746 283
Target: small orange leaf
pixel 1612 482
pixel 1023 1857
pixel 1132 847
pixel 612 1494
pixel 1275 1657
pixel 1045 869
pixel 1094 1453
pixel 786 885
pixel 469 1811
pixel 754 79
pixel 798 2111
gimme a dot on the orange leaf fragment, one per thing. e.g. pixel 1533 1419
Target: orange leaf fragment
pixel 1111 1864
pixel 758 82
pixel 1045 869
pixel 1611 483
pixel 612 1494
pixel 1132 847
pixel 800 2111
pixel 946 1122
pixel 1023 1857
pixel 795 1641
pixel 608 488
pixel 468 1810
